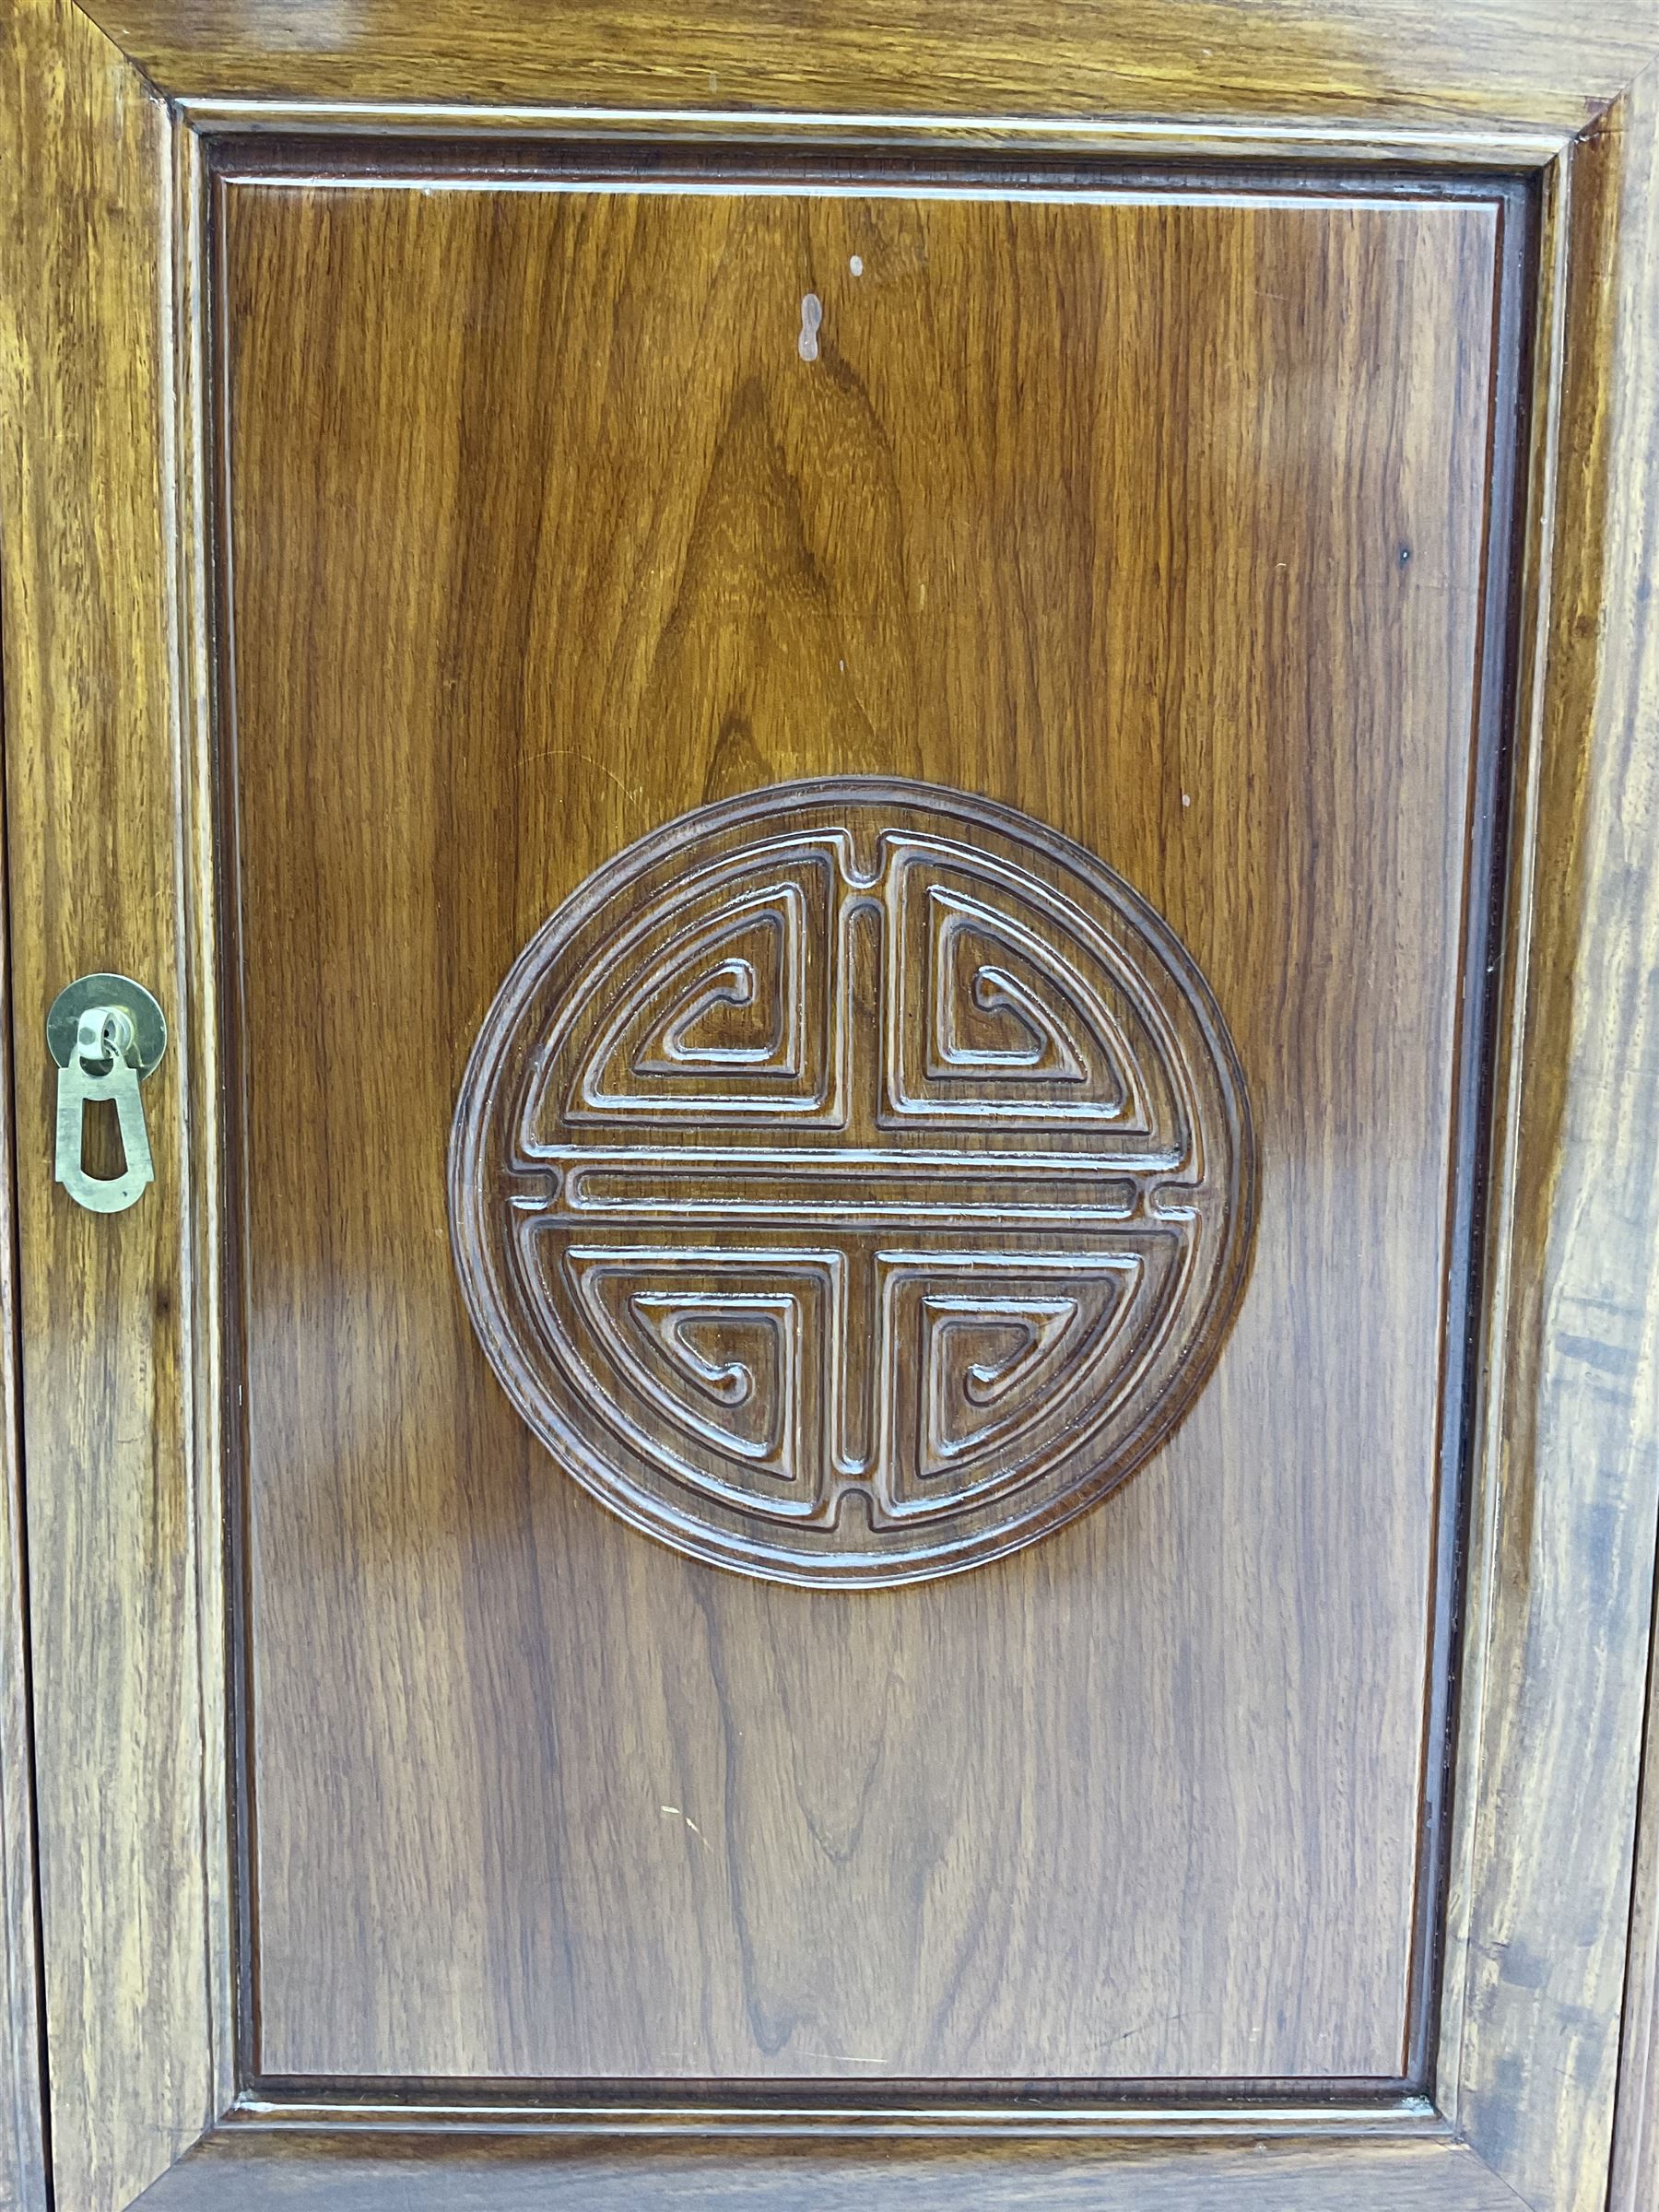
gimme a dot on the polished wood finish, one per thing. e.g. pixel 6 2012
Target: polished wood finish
pixel 1562 1511
pixel 852 1183
pixel 458 2173
pixel 1567 1515
pixel 1355 66
pixel 530 1797
pixel 91 798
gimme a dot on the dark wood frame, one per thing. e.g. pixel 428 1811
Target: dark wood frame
pixel 119 1953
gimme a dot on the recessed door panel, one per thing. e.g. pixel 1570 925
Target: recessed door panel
pixel 1153 515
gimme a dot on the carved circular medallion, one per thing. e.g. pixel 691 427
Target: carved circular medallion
pixel 853 1182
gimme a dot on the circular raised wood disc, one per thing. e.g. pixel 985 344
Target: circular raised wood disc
pixel 853 1182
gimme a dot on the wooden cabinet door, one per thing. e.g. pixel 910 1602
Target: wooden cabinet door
pixel 884 1420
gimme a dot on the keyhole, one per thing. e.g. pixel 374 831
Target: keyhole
pixel 812 316
pixel 103 1155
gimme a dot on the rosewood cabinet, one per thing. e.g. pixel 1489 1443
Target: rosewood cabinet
pixel 880 1422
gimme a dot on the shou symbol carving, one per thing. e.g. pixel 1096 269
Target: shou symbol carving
pixel 852 1183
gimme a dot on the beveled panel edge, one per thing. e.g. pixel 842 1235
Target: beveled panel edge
pixel 211 1228
pixel 1012 2111
pixel 1480 1504
pixel 23 2128
pixel 1519 148
pixel 1481 1043
pixel 653 156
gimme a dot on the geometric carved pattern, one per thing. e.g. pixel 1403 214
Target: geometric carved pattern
pixel 853 1182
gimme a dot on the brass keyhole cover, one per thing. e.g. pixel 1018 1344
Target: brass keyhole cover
pixel 853 1182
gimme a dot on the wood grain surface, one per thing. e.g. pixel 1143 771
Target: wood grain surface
pixel 1575 1492
pixel 91 797
pixel 506 2174
pixel 1359 64
pixel 1618 386
pixel 22 2111
pixel 93 513
pixel 1160 517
